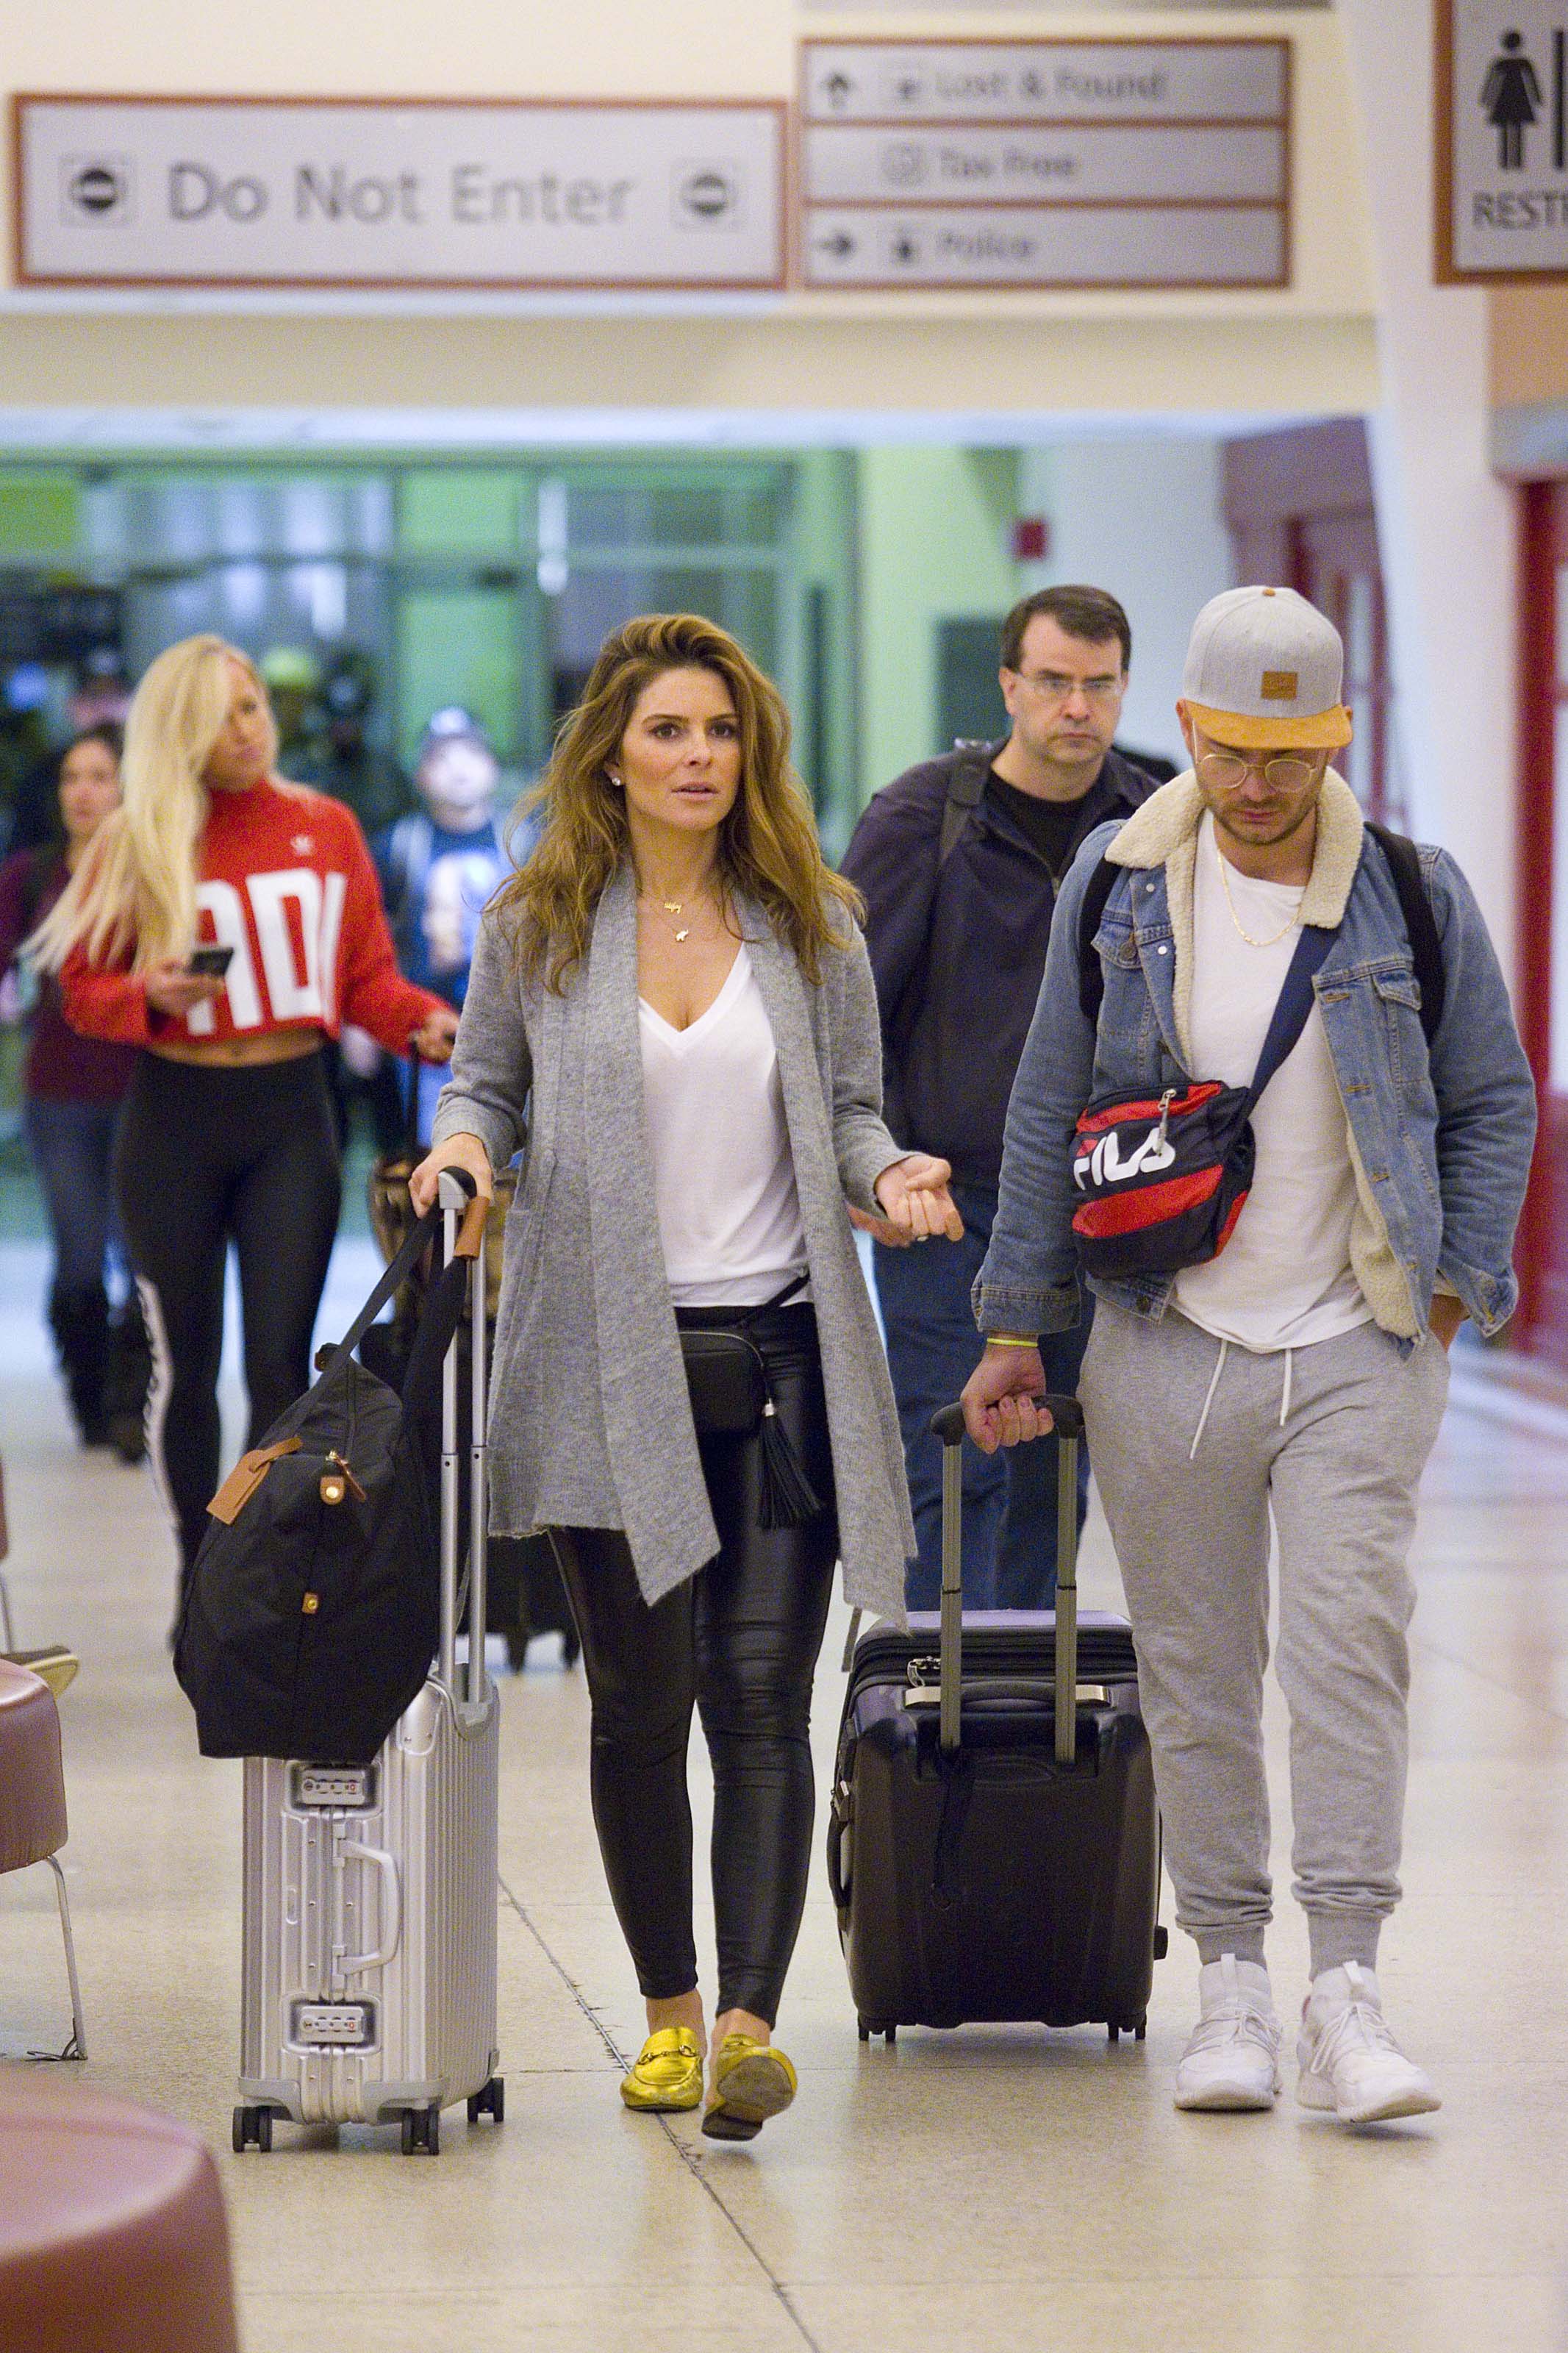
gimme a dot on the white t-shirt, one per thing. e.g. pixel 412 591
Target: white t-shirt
pixel 1284 1278
pixel 729 1213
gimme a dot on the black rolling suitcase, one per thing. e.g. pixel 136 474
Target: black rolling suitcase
pixel 992 1856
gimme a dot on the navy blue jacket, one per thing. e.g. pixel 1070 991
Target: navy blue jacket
pixel 958 952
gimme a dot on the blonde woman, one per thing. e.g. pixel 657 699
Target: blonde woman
pixel 226 923
pixel 671 1009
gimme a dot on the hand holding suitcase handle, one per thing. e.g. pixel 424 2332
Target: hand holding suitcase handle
pixel 950 1427
pixel 1065 1413
pixel 466 1157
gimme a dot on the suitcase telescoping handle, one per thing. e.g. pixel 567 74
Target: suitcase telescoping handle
pixel 463 1234
pixel 1067 1419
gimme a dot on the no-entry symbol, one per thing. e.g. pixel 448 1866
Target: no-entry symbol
pixel 95 188
pixel 706 196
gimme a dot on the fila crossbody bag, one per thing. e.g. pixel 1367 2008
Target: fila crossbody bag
pixel 1162 1179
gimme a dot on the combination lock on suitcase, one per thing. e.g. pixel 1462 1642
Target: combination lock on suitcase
pixel 370 1922
pixel 993 1844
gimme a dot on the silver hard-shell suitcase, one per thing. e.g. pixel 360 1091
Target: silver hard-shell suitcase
pixel 369 1969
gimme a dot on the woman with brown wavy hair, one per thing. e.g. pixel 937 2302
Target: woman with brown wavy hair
pixel 672 1013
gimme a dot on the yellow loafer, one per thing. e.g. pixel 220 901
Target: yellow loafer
pixel 668 2074
pixel 751 2082
pixel 53 1664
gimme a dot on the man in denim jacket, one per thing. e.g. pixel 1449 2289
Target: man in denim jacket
pixel 1303 1369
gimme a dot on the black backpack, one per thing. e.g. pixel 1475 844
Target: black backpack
pixel 312 1610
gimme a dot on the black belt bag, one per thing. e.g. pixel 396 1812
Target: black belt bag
pixel 732 1396
pixel 1161 1183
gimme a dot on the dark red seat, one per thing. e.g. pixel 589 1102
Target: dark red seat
pixel 112 2232
pixel 32 1802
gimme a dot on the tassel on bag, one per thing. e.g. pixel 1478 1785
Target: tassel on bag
pixel 787 1498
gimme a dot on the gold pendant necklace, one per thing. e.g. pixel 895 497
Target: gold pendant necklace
pixel 675 907
pixel 1288 925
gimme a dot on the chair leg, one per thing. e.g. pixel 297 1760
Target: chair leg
pixel 76 2047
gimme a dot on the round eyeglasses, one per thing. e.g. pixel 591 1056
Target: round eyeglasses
pixel 1227 772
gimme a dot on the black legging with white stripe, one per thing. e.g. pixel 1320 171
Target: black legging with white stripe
pixel 209 1157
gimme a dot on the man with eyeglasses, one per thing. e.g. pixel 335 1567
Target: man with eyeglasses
pixel 960 860
pixel 1301 1371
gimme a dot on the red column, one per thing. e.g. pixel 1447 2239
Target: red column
pixel 1537 690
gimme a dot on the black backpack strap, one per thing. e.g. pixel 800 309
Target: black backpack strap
pixel 1293 1004
pixel 332 1361
pixel 1425 947
pixel 966 784
pixel 1090 979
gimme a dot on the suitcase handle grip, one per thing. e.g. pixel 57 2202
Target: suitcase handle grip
pixel 392 1908
pixel 839 1893
pixel 1067 1419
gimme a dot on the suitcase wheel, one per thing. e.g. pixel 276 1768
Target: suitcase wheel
pixel 252 2125
pixel 489 2102
pixel 869 2026
pixel 422 2130
pixel 1137 2028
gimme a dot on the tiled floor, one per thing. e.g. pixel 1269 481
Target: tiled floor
pixel 985 2190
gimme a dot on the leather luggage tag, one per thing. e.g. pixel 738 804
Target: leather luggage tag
pixel 245 1477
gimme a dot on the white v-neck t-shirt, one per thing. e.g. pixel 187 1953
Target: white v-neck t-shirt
pixel 729 1211
pixel 1284 1278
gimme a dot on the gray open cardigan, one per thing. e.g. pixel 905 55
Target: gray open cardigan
pixel 590 1423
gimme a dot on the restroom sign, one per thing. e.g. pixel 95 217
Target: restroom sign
pixel 375 194
pixel 1502 141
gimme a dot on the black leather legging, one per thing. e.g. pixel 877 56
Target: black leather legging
pixel 738 1641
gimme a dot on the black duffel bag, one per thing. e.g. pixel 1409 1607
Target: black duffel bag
pixel 313 1612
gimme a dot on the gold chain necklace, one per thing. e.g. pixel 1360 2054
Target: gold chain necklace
pixel 1290 923
pixel 675 907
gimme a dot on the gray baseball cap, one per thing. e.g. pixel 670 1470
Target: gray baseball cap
pixel 1264 671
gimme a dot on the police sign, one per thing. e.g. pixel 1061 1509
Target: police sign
pixel 1502 140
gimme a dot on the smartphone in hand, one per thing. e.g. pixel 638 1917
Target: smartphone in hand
pixel 214 962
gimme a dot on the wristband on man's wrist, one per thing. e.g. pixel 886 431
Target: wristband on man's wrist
pixel 1008 1340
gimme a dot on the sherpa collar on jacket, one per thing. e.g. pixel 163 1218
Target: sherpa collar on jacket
pixel 1164 832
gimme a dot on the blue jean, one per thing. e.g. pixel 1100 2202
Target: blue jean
pixel 72 1148
pixel 1009 1497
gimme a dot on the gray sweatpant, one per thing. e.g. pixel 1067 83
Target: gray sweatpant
pixel 1334 1437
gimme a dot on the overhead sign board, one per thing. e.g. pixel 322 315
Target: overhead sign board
pixel 1046 163
pixel 1502 140
pixel 377 194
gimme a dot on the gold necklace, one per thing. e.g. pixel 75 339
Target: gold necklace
pixel 675 907
pixel 1290 923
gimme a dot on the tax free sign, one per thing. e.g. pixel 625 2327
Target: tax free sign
pixel 1501 140
pixel 294 193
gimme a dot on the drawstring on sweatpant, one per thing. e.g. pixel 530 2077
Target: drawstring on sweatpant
pixel 1285 1401
pixel 1202 1418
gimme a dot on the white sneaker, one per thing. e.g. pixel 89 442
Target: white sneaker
pixel 1350 2060
pixel 1232 2058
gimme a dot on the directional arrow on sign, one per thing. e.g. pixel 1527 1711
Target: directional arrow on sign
pixel 840 89
pixel 841 245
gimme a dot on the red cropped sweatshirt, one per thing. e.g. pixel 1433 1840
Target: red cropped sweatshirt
pixel 284 879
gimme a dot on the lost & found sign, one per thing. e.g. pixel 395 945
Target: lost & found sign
pixel 1046 163
pixel 388 194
